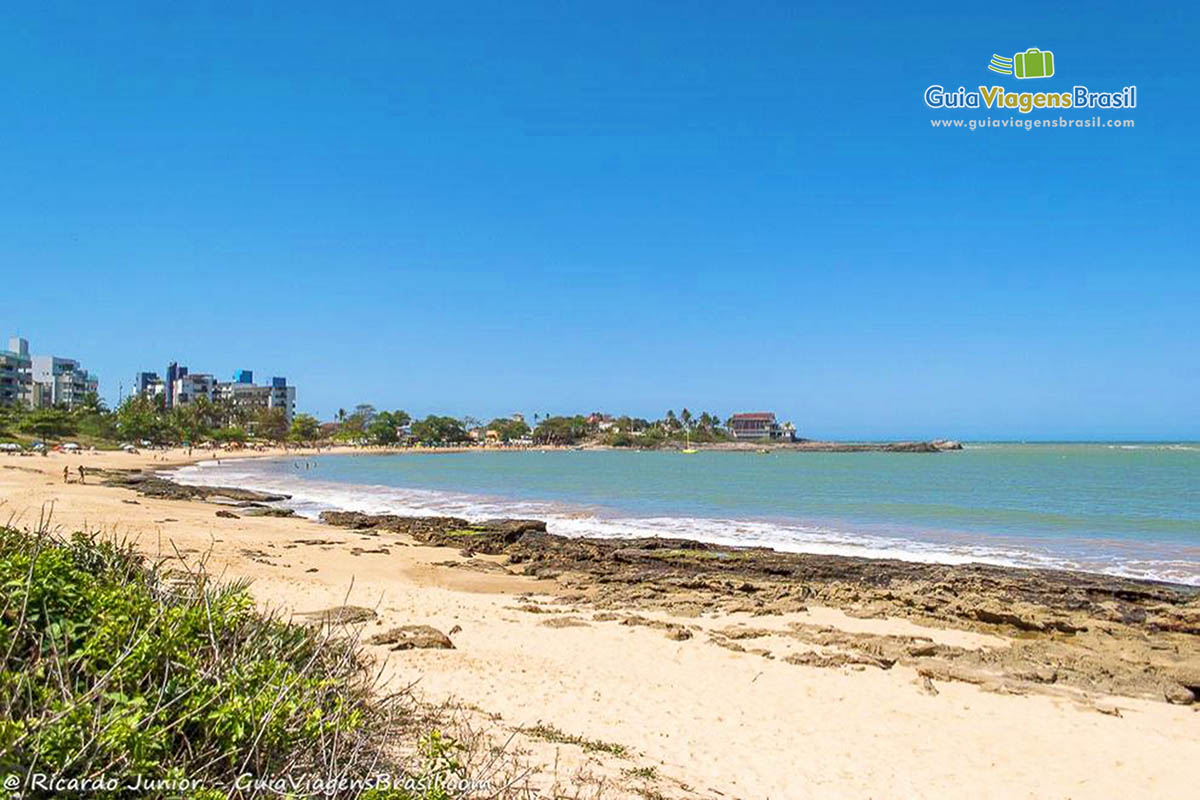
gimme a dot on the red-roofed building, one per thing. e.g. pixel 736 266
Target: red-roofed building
pixel 757 425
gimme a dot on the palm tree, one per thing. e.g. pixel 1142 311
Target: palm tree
pixel 92 404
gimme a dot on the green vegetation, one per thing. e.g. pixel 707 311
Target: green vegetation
pixel 435 430
pixel 368 426
pixel 48 423
pixel 508 429
pixel 562 430
pixel 630 431
pixel 143 419
pixel 388 427
pixel 549 733
pixel 305 428
pixel 114 668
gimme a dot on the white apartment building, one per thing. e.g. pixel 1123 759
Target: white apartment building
pixel 251 397
pixel 245 397
pixel 60 382
pixel 191 387
pixel 16 375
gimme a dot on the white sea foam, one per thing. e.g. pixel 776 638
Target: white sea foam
pixel 309 497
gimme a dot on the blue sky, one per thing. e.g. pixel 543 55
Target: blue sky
pixel 632 207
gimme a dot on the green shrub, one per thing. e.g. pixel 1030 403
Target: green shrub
pixel 113 668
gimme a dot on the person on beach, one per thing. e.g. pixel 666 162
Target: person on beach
pixel 81 480
pixel 66 474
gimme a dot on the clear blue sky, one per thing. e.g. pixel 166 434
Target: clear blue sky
pixel 629 207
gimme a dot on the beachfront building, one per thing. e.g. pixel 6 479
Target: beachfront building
pixel 190 387
pixel 242 393
pixel 174 373
pixel 759 426
pixel 16 374
pixel 246 396
pixel 283 396
pixel 148 384
pixel 245 399
pixel 42 381
pixel 60 382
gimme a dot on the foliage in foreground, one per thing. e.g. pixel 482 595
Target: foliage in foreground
pixel 112 669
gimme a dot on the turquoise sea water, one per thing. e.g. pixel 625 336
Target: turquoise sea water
pixel 1122 509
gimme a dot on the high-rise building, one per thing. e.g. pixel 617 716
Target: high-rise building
pixel 241 394
pixel 190 388
pixel 61 382
pixel 174 373
pixel 249 398
pixel 283 396
pixel 16 378
pixel 243 398
pixel 150 385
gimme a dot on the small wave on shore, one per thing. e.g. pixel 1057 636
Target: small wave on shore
pixel 311 495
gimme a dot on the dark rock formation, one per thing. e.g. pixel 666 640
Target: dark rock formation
pixel 490 536
pixel 409 637
pixel 155 486
pixel 1087 631
pixel 269 512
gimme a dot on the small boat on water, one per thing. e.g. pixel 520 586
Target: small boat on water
pixel 688 449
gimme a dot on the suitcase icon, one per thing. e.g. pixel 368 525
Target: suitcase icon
pixel 1033 63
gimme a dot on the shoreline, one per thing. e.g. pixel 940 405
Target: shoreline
pixel 849 537
pixel 890 676
pixel 1027 599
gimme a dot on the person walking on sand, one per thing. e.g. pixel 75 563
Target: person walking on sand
pixel 66 474
pixel 81 480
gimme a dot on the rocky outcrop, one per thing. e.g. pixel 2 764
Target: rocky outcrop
pixel 489 536
pixel 414 526
pixel 268 512
pixel 1067 629
pixel 340 615
pixel 162 488
pixel 410 637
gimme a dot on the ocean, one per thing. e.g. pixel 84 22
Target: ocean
pixel 1122 509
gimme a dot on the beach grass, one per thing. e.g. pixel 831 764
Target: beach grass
pixel 549 733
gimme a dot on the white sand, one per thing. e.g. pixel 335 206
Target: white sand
pixel 712 722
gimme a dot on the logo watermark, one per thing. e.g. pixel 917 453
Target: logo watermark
pixel 284 786
pixel 1032 63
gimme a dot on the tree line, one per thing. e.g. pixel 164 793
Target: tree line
pixel 142 418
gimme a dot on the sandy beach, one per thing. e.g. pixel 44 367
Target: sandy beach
pixel 679 699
